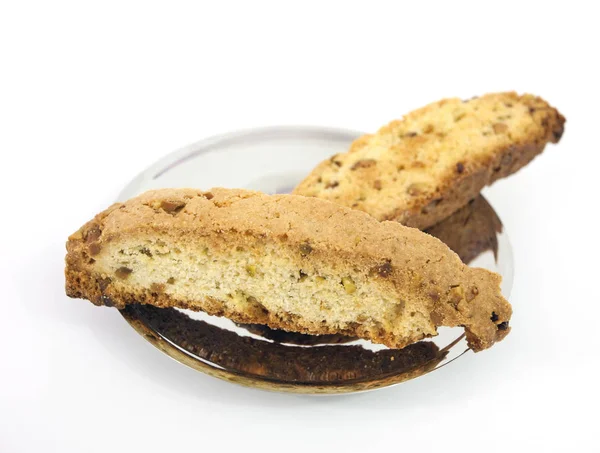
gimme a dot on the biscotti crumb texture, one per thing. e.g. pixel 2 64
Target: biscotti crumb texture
pixel 422 168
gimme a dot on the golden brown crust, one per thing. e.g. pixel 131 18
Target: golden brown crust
pixel 421 169
pixel 402 259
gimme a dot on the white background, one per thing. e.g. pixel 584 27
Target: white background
pixel 91 93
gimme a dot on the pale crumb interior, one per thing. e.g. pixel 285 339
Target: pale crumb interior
pixel 248 279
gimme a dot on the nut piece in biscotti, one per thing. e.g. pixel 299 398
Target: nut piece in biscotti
pixel 293 263
pixel 422 168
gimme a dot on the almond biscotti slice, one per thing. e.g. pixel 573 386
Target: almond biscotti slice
pixel 422 168
pixel 292 263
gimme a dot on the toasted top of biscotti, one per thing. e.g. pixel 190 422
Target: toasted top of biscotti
pixel 290 262
pixel 425 166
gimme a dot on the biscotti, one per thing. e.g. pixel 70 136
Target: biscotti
pixel 422 168
pixel 293 263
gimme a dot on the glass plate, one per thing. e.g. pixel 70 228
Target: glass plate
pixel 274 160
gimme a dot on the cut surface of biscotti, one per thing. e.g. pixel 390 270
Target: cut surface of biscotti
pixel 422 168
pixel 294 263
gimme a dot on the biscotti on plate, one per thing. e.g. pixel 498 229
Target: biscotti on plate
pixel 422 168
pixel 294 263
